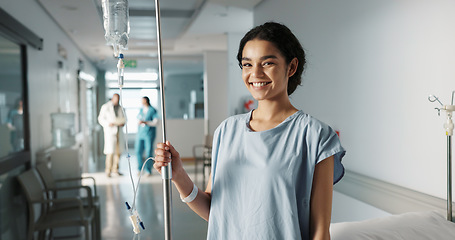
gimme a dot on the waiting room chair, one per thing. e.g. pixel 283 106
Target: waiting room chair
pixel 48 218
pixel 203 153
pixel 90 200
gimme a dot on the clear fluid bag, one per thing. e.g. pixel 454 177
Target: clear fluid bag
pixel 116 24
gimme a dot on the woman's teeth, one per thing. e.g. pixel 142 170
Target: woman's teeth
pixel 259 84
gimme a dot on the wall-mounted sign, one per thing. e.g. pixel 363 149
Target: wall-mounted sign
pixel 130 63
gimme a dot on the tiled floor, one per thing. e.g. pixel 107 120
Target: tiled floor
pixel 117 190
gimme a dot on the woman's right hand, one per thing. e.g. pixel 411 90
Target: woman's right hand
pixel 165 153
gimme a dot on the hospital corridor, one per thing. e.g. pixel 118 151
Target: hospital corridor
pixel 227 119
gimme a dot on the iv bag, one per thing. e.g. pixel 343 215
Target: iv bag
pixel 116 24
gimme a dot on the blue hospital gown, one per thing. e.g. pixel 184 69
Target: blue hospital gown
pixel 261 181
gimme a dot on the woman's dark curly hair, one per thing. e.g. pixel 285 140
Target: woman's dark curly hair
pixel 285 41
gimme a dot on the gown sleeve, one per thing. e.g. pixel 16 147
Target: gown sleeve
pixel 329 145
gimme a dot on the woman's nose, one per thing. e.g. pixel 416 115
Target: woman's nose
pixel 257 71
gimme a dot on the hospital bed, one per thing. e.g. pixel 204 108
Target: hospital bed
pixel 413 215
pixel 428 225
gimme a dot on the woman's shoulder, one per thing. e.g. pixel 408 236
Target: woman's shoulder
pixel 233 122
pixel 308 121
pixel 236 119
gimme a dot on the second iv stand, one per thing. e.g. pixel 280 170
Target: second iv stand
pixel 448 127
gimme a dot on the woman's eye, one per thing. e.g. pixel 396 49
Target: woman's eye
pixel 268 63
pixel 246 65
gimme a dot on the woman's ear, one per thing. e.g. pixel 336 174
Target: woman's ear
pixel 292 67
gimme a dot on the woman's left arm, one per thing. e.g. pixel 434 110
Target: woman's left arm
pixel 321 200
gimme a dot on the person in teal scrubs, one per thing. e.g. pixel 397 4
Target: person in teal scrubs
pixel 146 132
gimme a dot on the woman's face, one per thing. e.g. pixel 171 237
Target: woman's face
pixel 265 71
pixel 144 102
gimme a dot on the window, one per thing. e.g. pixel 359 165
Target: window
pixel 11 98
pixel 14 130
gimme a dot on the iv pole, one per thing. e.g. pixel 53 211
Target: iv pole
pixel 166 172
pixel 448 126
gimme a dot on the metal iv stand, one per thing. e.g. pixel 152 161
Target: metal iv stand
pixel 166 172
pixel 448 126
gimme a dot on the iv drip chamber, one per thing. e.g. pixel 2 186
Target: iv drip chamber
pixel 120 70
pixel 116 24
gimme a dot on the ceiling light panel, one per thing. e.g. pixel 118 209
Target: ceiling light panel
pixel 168 4
pixel 145 27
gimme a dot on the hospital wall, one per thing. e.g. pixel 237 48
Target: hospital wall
pixel 215 90
pixel 42 70
pixel 43 99
pixel 237 89
pixel 371 66
pixel 179 90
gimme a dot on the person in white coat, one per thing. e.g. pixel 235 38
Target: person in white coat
pixel 112 119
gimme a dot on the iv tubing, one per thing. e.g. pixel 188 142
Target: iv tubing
pixel 120 67
pixel 126 140
pixel 135 187
pixel 139 180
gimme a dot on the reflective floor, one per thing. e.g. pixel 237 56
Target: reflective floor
pixel 117 190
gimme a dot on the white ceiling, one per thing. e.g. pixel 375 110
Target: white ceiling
pixel 188 27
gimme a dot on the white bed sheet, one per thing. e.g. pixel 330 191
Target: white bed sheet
pixel 431 225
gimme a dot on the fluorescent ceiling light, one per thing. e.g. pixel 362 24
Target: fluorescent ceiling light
pixel 87 77
pixel 135 76
pixel 142 85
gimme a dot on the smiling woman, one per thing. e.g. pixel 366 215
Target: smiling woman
pixel 273 168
